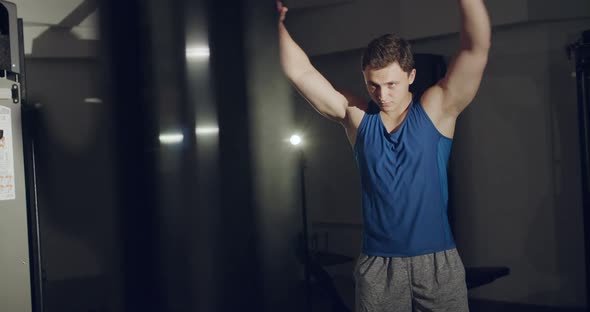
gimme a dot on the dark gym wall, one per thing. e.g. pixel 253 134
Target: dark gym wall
pixel 75 182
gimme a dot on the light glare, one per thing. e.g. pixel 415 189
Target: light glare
pixel 206 130
pixel 295 139
pixel 171 138
pixel 197 52
pixel 92 100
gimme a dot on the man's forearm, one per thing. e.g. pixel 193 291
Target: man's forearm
pixel 475 25
pixel 293 59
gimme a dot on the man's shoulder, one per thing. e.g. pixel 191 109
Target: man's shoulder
pixel 432 104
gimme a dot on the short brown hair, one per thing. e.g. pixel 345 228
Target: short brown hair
pixel 386 50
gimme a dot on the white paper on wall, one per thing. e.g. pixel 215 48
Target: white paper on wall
pixel 7 187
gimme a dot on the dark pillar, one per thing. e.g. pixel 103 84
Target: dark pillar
pixel 581 52
pixel 207 183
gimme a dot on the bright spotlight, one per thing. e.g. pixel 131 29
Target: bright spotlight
pixel 206 130
pixel 295 139
pixel 197 53
pixel 171 138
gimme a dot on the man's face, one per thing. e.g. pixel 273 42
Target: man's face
pixel 389 86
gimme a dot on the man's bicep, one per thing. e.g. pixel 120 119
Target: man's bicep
pixel 320 93
pixel 463 79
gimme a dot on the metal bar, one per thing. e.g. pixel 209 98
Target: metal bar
pixel 582 57
pixel 305 221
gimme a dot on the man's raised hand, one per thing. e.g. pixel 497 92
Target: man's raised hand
pixel 282 11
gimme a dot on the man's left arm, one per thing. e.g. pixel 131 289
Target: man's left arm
pixel 458 88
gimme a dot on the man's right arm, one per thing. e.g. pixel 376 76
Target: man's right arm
pixel 314 87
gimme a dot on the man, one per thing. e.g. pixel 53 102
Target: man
pixel 402 144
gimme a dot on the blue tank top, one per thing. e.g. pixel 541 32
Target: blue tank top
pixel 404 185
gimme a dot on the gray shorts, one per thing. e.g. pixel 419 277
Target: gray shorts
pixel 430 282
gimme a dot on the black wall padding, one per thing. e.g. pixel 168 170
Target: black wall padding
pixel 4 20
pixel 430 68
pixel 5 52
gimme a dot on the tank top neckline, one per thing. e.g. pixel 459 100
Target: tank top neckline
pixel 395 132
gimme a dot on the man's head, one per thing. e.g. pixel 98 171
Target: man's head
pixel 388 69
pixel 386 50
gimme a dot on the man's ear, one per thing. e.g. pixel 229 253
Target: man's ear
pixel 412 76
